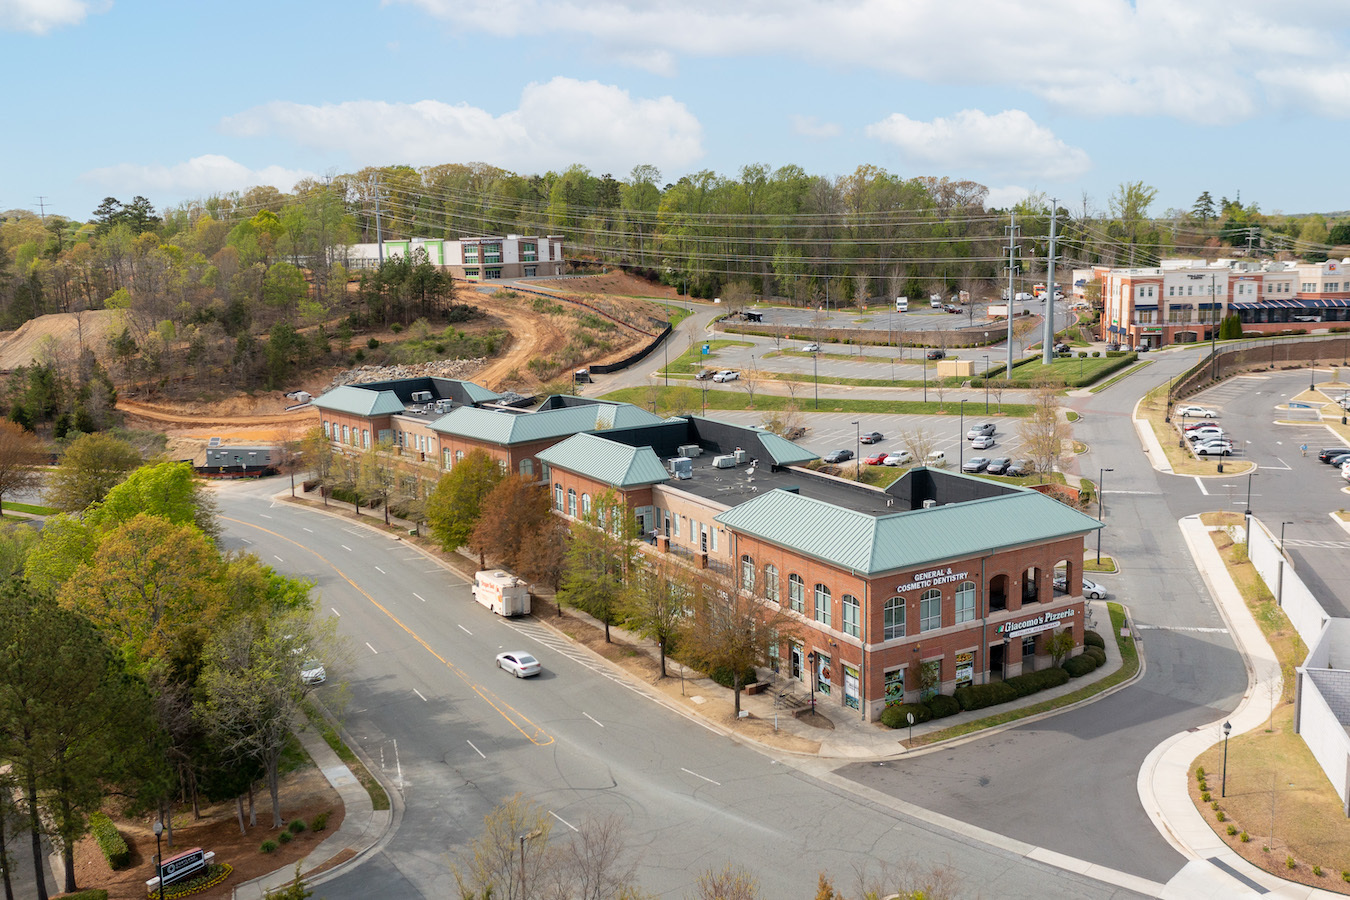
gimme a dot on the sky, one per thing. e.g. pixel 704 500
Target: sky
pixel 1069 98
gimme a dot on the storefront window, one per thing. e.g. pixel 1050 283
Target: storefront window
pixel 932 679
pixel 823 673
pixel 895 686
pixel 894 613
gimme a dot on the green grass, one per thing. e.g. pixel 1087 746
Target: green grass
pixel 1129 654
pixel 675 313
pixel 30 509
pixel 378 798
pixel 693 361
pixel 1063 369
pixel 682 399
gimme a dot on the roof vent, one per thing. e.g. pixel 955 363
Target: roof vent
pixel 929 504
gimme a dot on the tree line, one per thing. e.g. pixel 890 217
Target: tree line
pixel 139 662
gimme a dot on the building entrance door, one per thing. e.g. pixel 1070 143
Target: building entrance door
pixel 795 661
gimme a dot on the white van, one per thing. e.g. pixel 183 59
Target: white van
pixel 935 301
pixel 902 304
pixel 937 459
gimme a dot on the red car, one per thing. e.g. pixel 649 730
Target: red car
pixel 877 460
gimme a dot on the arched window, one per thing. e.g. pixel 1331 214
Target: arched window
pixel 527 467
pixel 747 573
pixel 894 618
pixel 771 583
pixel 965 602
pixel 572 503
pixel 823 606
pixel 585 506
pixel 849 605
pixel 365 438
pixel 459 457
pixel 327 431
pixel 346 437
pixel 930 610
pixel 796 593
pixel 558 497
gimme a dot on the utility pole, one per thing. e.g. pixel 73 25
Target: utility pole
pixel 1213 327
pixel 42 205
pixel 1012 266
pixel 1048 341
pixel 379 235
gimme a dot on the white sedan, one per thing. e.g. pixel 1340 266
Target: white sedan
pixel 1091 589
pixel 1194 412
pixel 521 665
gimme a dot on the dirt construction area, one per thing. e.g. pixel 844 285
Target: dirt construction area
pixel 58 336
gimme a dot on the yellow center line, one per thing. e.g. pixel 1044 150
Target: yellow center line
pixel 535 735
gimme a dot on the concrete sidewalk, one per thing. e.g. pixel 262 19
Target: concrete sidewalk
pixel 363 827
pixel 1215 870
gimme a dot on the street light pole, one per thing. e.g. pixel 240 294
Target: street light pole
pixel 815 369
pixel 857 447
pixel 1101 506
pixel 1248 513
pixel 1223 783
pixel 986 383
pixel 961 437
pixel 159 858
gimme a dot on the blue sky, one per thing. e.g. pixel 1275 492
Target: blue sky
pixel 1066 97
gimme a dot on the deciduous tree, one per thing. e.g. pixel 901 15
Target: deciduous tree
pixel 91 466
pixel 600 557
pixel 456 503
pixel 20 456
pixel 658 601
pixel 732 630
pixel 318 450
pixel 520 530
pixel 1043 433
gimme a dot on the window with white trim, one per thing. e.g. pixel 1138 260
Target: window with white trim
pixel 572 502
pixel 558 497
pixel 851 613
pixel 965 602
pixel 930 610
pixel 747 573
pixel 796 593
pixel 823 604
pixel 893 618
pixel 771 583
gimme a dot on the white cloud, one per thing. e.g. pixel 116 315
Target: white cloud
pixel 559 123
pixel 1194 60
pixel 1325 89
pixel 1007 143
pixel 1005 197
pixel 198 176
pixel 41 16
pixel 810 126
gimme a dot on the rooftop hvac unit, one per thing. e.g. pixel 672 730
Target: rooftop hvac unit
pixel 421 396
pixel 690 450
pixel 929 504
pixel 741 455
pixel 682 467
pixel 726 461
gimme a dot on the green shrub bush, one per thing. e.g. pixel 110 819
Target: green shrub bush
pixel 1093 639
pixel 1200 773
pixel 268 847
pixel 1078 666
pixel 978 696
pixel 285 837
pixel 297 826
pixel 943 706
pixel 1205 796
pixel 1096 653
pixel 110 841
pixel 896 715
pixel 1232 830
pixel 373 343
pixel 320 822
pixel 1032 682
pixel 724 676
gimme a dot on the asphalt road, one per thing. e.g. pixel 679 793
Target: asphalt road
pixel 456 736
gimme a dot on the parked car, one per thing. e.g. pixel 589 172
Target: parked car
pixel 704 375
pixel 727 375
pixel 1142 348
pixel 937 459
pixel 1019 468
pixel 313 672
pixel 981 430
pixel 998 466
pixel 1091 589
pixel 936 354
pixel 871 437
pixel 1113 346
pixel 1337 459
pixel 1214 448
pixel 877 460
pixel 899 458
pixel 1345 471
pixel 1061 347
pixel 1344 403
pixel 1326 454
pixel 950 308
pixel 838 456
pixel 975 464
pixel 1194 412
pixel 1208 431
pixel 983 442
pixel 811 348
pixel 519 664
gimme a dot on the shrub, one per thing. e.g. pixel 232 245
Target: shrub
pixel 1200 773
pixel 1317 870
pixel 897 714
pixel 1093 639
pixel 396 328
pixel 268 847
pixel 943 706
pixel 1232 830
pixel 373 343
pixel 285 837
pixel 1289 863
pixel 1220 816
pixel 1032 682
pixel 1096 653
pixel 297 826
pixel 1205 796
pixel 978 696
pixel 1078 666
pixel 724 676
pixel 110 841
pixel 1214 805
pixel 320 822
pixel 1244 837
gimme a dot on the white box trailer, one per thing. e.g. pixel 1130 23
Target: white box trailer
pixel 502 592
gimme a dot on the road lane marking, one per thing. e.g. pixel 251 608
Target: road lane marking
pixel 520 722
pixel 593 719
pixel 278 558
pixel 476 750
pixel 704 777
pixel 1200 483
pixel 419 694
pixel 562 820
pixel 419 596
pixel 335 612
pixel 1195 628
pixel 306 529
pixel 372 649
pixel 345 547
pixel 264 516
pixel 463 629
pixel 381 571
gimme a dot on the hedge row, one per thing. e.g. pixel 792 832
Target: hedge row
pixel 1032 682
pixel 1087 661
pixel 110 841
pixel 978 696
pixel 897 714
pixel 1093 639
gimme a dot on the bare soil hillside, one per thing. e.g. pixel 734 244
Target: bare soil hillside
pixel 64 332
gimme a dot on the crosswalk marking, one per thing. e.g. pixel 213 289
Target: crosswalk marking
pixel 1196 628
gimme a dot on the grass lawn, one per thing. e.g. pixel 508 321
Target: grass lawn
pixel 1153 409
pixel 30 509
pixel 675 400
pixel 1063 370
pixel 1275 791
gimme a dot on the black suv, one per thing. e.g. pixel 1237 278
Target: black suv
pixel 1326 455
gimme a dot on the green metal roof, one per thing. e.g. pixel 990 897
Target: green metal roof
pixel 606 461
pixel 870 544
pixel 783 452
pixel 507 428
pixel 358 401
pixel 476 392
